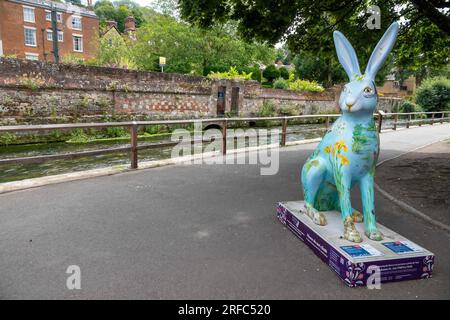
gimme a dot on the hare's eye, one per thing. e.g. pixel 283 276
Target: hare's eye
pixel 368 90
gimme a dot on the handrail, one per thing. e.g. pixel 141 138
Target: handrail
pixel 134 125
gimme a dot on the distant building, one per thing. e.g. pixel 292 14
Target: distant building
pixel 395 88
pixel 26 29
pixel 111 31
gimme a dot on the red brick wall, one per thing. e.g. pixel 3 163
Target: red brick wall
pixel 12 33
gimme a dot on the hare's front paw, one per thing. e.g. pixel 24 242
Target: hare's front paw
pixel 357 216
pixel 375 235
pixel 350 232
pixel 316 216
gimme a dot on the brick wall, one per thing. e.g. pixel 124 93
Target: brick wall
pixel 38 92
pixel 12 32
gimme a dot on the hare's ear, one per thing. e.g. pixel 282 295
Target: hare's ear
pixel 382 50
pixel 346 55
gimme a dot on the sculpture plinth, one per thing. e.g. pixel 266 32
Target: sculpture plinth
pixel 393 259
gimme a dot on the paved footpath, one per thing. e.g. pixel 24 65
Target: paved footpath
pixel 191 231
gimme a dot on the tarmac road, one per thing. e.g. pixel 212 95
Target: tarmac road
pixel 192 232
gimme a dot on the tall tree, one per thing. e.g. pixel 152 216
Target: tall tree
pixel 307 26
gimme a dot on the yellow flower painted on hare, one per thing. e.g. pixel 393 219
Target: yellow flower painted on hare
pixel 340 145
pixel 344 160
pixel 327 149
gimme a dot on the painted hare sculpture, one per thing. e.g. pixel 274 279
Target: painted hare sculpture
pixel 348 152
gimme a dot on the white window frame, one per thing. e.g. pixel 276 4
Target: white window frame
pixel 49 34
pixel 35 55
pixel 24 15
pixel 48 16
pixel 81 22
pixel 1 47
pixel 73 42
pixel 25 36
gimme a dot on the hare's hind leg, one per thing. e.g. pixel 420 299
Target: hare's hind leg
pixel 313 175
pixel 350 231
pixel 370 224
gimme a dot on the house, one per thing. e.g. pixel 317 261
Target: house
pixel 112 33
pixel 395 88
pixel 26 29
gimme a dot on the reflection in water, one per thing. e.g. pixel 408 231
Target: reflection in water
pixel 26 171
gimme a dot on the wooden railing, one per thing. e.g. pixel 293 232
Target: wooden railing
pixel 133 127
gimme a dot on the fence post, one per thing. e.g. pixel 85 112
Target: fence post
pixel 327 122
pixel 283 132
pixel 134 151
pixel 380 119
pixel 409 121
pixel 432 118
pixel 395 121
pixel 442 117
pixel 224 137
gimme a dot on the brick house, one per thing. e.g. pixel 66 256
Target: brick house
pixel 26 29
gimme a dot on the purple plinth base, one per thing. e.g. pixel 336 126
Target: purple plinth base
pixel 393 259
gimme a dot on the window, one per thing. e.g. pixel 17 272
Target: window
pixel 50 35
pixel 28 14
pixel 31 56
pixel 30 37
pixel 78 43
pixel 48 16
pixel 76 23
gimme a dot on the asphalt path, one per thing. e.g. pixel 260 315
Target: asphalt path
pixel 192 232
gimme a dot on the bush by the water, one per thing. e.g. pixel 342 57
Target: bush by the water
pixel 281 83
pixel 434 94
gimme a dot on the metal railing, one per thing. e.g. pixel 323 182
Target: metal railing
pixel 133 127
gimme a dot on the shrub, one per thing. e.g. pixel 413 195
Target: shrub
pixel 281 83
pixel 232 73
pixel 434 94
pixel 284 73
pixel 7 138
pixel 78 136
pixel 115 132
pixel 289 110
pixel 305 85
pixel 271 73
pixel 267 109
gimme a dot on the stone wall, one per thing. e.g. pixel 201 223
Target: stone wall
pixel 37 92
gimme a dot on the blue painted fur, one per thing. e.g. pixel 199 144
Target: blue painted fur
pixel 348 152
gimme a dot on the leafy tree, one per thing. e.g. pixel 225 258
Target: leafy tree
pixel 192 50
pixel 307 26
pixel 271 73
pixel 118 11
pixel 434 94
pixel 284 73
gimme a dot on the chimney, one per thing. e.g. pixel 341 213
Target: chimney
pixel 130 25
pixel 110 24
pixel 89 4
